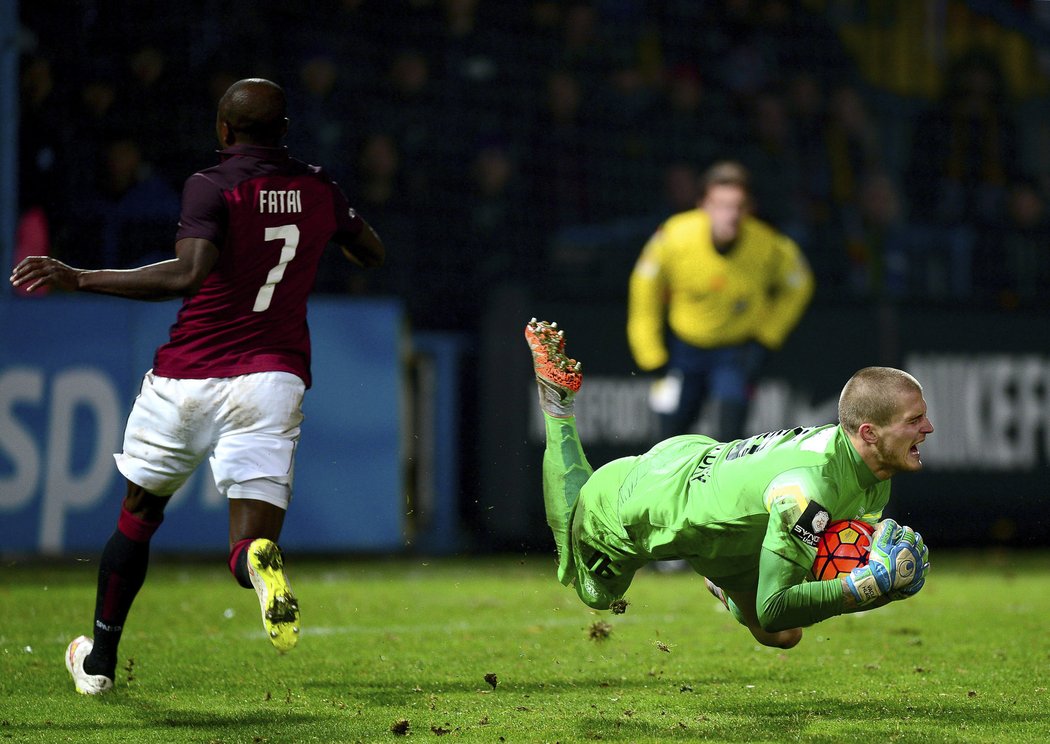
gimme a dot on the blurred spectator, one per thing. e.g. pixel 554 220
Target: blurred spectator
pixel 777 173
pixel 853 161
pixel 41 129
pixel 558 143
pixel 582 50
pixel 534 47
pixel 470 60
pixel 685 27
pixel 39 150
pixel 964 156
pixel 893 257
pixel 96 100
pixel 324 113
pixel 143 106
pixel 963 150
pixel 693 123
pixel 488 239
pixel 94 106
pixel 1025 277
pixel 624 172
pixel 127 219
pixel 807 110
pixel 352 33
pixel 496 228
pixel 378 191
pixel 852 143
pixel 798 39
pixel 409 105
pixel 744 61
pixel 44 190
pixel 41 144
pixel 199 107
pixel 241 34
pixel 874 231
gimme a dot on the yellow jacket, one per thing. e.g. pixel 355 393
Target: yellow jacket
pixel 756 292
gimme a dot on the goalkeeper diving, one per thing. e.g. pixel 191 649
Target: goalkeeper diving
pixel 745 514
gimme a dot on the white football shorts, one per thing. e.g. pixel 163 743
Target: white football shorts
pixel 247 425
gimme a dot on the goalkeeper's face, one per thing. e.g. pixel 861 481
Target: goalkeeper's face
pixel 898 442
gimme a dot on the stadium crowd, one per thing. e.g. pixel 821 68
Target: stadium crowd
pixel 482 138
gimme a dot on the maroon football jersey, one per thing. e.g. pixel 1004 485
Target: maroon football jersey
pixel 271 217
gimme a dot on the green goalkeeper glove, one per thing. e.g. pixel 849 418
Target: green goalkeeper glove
pixel 896 562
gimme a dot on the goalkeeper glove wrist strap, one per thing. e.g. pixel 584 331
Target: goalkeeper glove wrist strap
pixel 863 585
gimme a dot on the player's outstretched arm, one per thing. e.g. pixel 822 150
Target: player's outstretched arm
pixel 179 277
pixel 365 249
pixel 896 570
pixel 786 600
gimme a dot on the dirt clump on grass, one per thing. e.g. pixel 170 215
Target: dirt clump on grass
pixel 599 630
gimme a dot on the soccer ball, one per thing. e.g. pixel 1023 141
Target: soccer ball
pixel 843 546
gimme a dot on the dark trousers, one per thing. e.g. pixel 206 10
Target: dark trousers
pixel 725 375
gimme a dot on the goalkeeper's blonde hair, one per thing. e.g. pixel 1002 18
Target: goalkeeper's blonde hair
pixel 872 396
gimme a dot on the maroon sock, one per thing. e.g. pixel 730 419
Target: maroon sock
pixel 121 573
pixel 239 562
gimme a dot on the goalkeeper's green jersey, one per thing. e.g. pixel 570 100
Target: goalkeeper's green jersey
pixel 747 514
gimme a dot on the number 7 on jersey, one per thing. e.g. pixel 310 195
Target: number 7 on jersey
pixel 290 235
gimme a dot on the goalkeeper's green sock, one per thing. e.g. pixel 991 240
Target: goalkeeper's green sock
pixel 735 611
pixel 722 597
pixel 565 470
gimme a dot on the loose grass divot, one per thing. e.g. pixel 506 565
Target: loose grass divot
pixel 599 631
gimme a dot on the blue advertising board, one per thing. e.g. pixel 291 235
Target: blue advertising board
pixel 69 371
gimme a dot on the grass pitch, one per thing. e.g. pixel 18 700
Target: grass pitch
pixel 495 650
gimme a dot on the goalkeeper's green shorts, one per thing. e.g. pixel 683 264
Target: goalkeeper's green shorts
pixel 605 559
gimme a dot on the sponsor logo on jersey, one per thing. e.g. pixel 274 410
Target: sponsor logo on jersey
pixel 811 524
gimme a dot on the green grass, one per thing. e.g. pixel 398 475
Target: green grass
pixel 412 640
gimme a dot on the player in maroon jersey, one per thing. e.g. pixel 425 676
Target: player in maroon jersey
pixel 229 383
